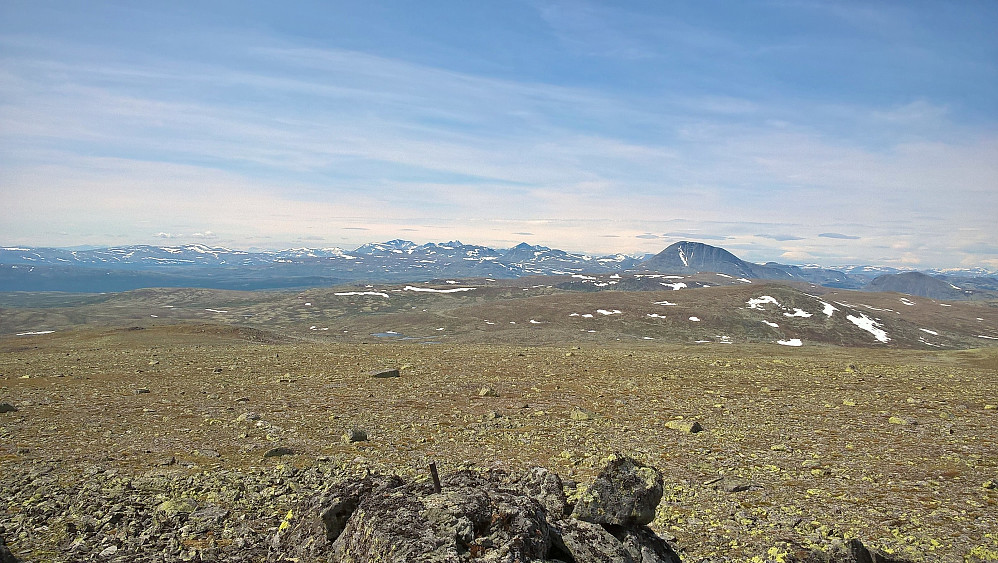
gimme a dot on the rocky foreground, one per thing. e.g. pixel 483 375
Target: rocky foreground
pixel 184 442
pixel 467 515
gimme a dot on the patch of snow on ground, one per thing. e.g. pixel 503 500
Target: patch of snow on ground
pixel 723 275
pixel 791 342
pixel 695 319
pixel 758 302
pixel 663 303
pixel 906 302
pixel 587 316
pixel 945 305
pixel 373 293
pixel 532 321
pixel 744 280
pixel 872 308
pixel 869 325
pixel 431 290
pixel 34 332
pixel 979 336
pixel 798 312
pixel 932 332
pixel 828 308
pixel 675 286
pixel 215 311
pixel 673 277
pixel 608 313
pixel 774 325
pixel 655 316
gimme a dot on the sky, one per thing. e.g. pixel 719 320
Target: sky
pixel 790 130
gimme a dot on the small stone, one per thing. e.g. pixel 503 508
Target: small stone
pixel 248 416
pixel 166 461
pixel 153 362
pixel 354 435
pixel 173 507
pixel 278 452
pixel 849 402
pixel 108 551
pixel 990 407
pixel 990 485
pixel 582 414
pixel 140 391
pixel 207 453
pixel 7 407
pixel 242 400
pixel 386 373
pixel 902 421
pixel 487 391
pixel 689 426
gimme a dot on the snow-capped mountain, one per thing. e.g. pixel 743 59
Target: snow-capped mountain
pixel 197 265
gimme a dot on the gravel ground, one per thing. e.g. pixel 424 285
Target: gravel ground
pixel 153 445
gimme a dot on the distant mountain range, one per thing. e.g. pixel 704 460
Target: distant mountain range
pixel 131 267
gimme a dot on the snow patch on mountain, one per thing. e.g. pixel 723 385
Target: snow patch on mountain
pixel 869 325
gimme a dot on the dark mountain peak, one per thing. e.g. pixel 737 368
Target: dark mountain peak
pixel 917 284
pixel 691 257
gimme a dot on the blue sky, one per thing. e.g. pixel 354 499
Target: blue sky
pixel 797 131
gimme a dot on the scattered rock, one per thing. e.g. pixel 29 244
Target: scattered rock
pixel 386 373
pixel 735 485
pixel 5 555
pixel 207 453
pixel 140 391
pixel 278 452
pixel 582 414
pixel 7 407
pixel 487 391
pixel 166 461
pixel 248 417
pixel 684 425
pixel 849 402
pixel 354 435
pixel 174 507
pixel 902 421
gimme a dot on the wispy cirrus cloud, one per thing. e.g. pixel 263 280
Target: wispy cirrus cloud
pixel 267 138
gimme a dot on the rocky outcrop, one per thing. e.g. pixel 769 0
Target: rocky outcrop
pixel 486 516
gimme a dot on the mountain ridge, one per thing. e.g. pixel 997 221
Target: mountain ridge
pixel 199 265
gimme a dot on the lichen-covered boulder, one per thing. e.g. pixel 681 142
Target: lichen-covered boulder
pixel 546 487
pixel 625 493
pixel 308 531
